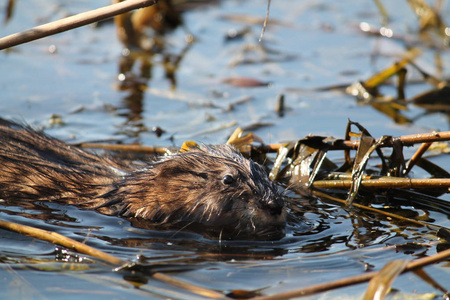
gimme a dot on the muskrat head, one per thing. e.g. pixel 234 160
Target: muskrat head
pixel 213 186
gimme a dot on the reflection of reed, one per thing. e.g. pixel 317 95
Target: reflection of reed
pixel 9 11
pixel 142 34
pixel 137 81
pixel 161 18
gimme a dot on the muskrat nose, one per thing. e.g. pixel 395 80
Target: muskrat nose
pixel 275 207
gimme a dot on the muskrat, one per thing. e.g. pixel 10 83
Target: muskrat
pixel 212 188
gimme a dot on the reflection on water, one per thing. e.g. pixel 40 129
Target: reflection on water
pixel 137 81
pixel 321 229
pixel 160 18
pixel 311 45
pixel 329 240
pixel 142 34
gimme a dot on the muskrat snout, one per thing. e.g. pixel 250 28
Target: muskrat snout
pixel 274 206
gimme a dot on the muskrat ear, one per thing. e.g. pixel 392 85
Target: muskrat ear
pixel 228 179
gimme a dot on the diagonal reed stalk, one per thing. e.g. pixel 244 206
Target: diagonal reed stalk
pixel 72 22
pixel 56 238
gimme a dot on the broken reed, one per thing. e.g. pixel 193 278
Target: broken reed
pixel 385 182
pixel 406 140
pixel 343 181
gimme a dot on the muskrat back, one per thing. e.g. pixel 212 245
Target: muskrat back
pixel 212 188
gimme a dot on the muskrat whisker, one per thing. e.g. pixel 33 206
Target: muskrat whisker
pixel 220 236
pixel 253 225
pixel 288 188
pixel 182 228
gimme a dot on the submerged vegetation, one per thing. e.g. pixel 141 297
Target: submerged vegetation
pixel 383 197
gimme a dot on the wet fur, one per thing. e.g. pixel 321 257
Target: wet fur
pixel 188 188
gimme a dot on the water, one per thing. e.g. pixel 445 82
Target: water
pixel 314 44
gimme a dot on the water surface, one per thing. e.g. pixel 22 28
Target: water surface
pixel 309 45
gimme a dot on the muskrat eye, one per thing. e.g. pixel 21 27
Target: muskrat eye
pixel 228 179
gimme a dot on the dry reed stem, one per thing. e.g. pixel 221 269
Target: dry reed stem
pixel 416 157
pixel 381 283
pixel 131 148
pixel 192 288
pixel 386 182
pixel 56 238
pixel 406 140
pixel 320 288
pixel 72 22
pixel 378 211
